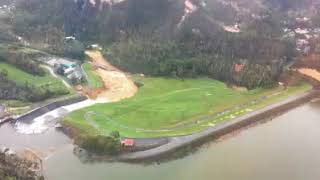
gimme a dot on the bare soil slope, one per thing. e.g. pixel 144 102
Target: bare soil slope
pixel 118 85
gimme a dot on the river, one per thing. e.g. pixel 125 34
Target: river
pixel 284 148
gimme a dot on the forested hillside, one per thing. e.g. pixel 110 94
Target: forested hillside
pixel 239 42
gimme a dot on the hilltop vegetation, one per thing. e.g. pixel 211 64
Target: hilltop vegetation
pixel 164 37
pixel 159 37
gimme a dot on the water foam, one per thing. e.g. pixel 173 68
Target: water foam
pixel 50 119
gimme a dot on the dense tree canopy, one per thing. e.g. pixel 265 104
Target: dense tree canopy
pixel 144 36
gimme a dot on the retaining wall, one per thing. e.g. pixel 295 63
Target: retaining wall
pixel 49 107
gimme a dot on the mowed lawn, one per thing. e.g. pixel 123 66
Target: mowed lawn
pixel 21 77
pixel 170 107
pixel 94 80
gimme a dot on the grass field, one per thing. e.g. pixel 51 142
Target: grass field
pixel 21 77
pixel 171 107
pixel 94 80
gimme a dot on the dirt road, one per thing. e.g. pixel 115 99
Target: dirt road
pixel 117 84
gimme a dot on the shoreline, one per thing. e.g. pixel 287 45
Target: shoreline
pixel 177 143
pixel 163 147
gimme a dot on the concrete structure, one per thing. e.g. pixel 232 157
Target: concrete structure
pixel 66 67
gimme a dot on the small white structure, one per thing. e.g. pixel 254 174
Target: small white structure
pixel 303 46
pixel 301 31
pixel 55 61
pixel 233 29
pixel 110 2
pixel 95 47
pixel 69 70
pixel 70 38
pixel 286 29
pixel 189 7
pixel 304 19
pixel 290 34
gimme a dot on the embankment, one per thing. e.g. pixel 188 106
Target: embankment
pixel 177 143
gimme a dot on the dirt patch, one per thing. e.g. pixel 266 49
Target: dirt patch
pixel 92 93
pixel 310 61
pixel 239 88
pixel 291 78
pixel 33 156
pixel 310 72
pixel 117 84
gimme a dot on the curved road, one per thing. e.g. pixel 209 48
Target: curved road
pixel 56 76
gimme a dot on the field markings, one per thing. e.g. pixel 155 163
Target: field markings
pixel 204 121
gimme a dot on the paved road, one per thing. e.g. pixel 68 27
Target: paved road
pixel 56 76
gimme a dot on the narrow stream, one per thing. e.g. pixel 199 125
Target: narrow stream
pixel 284 148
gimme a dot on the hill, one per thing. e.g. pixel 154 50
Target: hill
pixel 177 38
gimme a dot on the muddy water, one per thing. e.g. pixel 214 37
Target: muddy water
pixel 286 148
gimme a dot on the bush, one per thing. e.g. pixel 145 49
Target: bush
pixel 115 135
pixel 138 83
pixel 100 144
pixel 74 49
pixel 17 57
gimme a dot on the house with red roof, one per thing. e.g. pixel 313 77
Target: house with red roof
pixel 128 142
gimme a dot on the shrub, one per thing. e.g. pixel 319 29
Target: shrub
pixel 100 144
pixel 138 83
pixel 74 49
pixel 115 135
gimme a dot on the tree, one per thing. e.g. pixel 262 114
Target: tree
pixel 74 49
pixel 115 135
pixel 100 144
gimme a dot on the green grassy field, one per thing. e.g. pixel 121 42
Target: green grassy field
pixel 94 80
pixel 21 77
pixel 171 107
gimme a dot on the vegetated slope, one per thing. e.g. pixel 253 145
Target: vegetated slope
pixel 23 78
pixel 22 58
pixel 94 80
pixel 20 85
pixel 180 38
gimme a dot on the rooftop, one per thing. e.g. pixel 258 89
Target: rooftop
pixel 128 142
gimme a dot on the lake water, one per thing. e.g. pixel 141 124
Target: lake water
pixel 285 148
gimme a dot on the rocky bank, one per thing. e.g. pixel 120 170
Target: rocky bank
pixel 14 165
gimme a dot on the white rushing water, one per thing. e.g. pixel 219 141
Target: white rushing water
pixel 50 119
